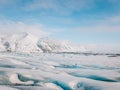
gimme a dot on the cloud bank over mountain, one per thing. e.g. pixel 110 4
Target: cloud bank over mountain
pixel 12 27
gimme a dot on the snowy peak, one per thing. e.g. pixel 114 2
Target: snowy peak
pixel 2 48
pixel 50 45
pixel 22 42
pixel 21 36
pixel 26 42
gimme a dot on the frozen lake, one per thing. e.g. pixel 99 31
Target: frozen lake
pixel 50 71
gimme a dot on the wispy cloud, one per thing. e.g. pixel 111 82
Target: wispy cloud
pixel 42 4
pixel 11 27
pixel 110 24
pixel 8 2
pixel 61 6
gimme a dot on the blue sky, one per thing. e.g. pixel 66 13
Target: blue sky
pixel 80 21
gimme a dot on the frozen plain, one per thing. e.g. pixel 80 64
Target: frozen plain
pixel 52 71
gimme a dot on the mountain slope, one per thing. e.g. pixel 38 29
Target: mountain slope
pixel 49 45
pixel 25 42
pixel 2 48
pixel 22 42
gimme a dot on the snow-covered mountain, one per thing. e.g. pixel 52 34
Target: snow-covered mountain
pixel 2 48
pixel 22 42
pixel 26 42
pixel 48 45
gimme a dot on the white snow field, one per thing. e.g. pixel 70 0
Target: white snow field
pixel 63 71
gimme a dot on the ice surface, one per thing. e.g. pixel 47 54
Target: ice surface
pixel 50 71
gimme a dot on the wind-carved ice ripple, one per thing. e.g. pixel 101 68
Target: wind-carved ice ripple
pixel 17 79
pixel 25 79
pixel 101 67
pixel 89 76
pixel 85 86
pixel 61 84
pixel 76 66
pixel 4 78
pixel 7 66
pixel 94 77
pixel 69 66
pixel 66 72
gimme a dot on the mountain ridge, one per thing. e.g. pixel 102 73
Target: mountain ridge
pixel 28 43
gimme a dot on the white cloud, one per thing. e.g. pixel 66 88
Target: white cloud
pixel 79 4
pixel 60 6
pixel 110 24
pixel 11 27
pixel 43 4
